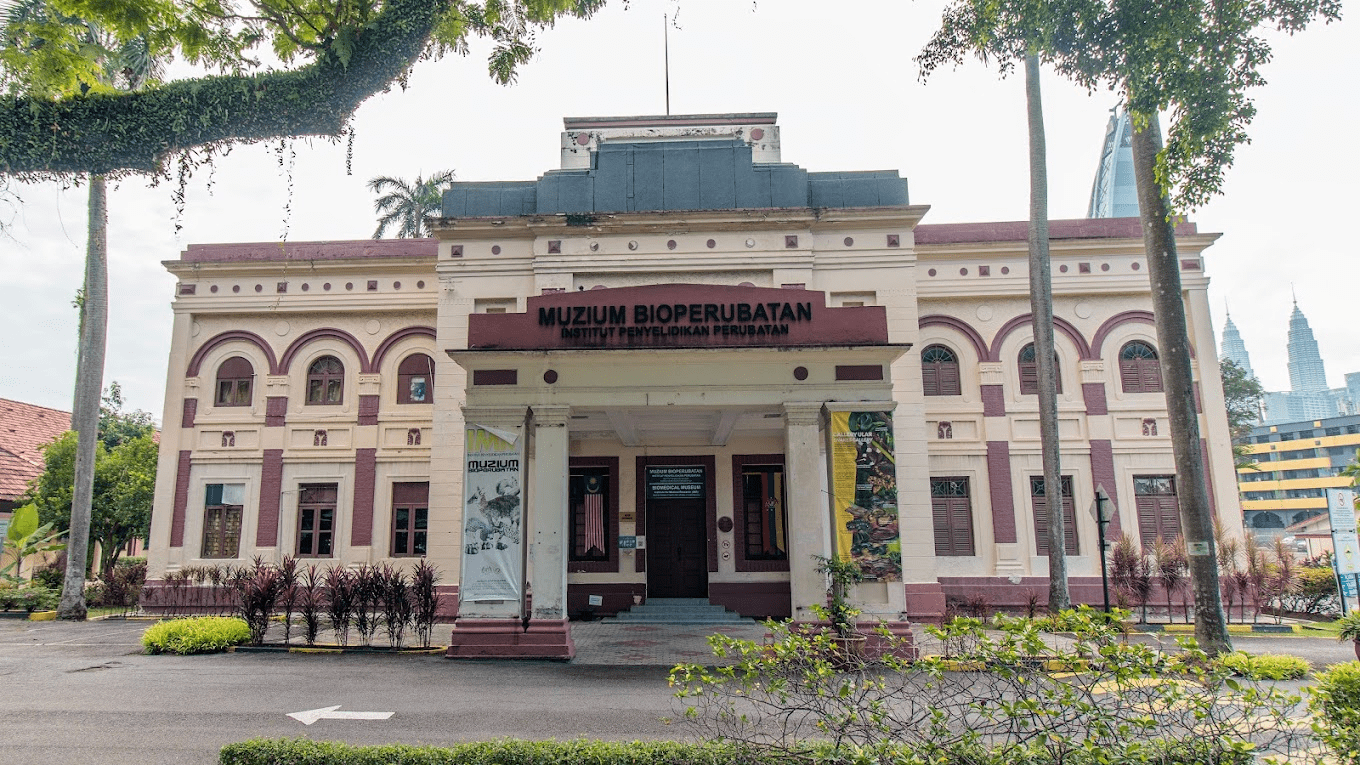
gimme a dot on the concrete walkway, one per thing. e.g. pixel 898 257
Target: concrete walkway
pixel 613 643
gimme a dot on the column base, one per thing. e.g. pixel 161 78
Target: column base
pixel 925 602
pixel 508 639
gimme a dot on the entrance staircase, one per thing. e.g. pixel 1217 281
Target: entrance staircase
pixel 679 611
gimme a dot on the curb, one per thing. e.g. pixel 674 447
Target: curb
pixel 43 616
pixel 431 651
pixel 1233 629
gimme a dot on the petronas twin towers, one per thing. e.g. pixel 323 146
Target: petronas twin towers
pixel 1308 398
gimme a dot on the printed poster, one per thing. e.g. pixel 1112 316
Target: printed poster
pixel 493 558
pixel 864 492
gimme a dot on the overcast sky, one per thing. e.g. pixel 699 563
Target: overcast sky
pixel 842 79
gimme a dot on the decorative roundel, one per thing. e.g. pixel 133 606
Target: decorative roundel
pixel 849 241
pixel 931 272
pixel 963 271
pixel 396 285
pixel 259 288
pixel 800 373
pixel 326 286
pixel 724 524
pixel 1104 266
pixel 235 288
pixel 306 286
pixel 712 243
pixel 213 288
pixel 550 376
pixel 1062 269
pixel 1137 265
pixel 750 243
pixel 594 246
pixel 349 285
pixel 1005 270
pixel 495 249
pixel 633 245
pixel 670 245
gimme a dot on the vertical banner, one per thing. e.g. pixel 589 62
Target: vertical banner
pixel 1345 546
pixel 493 557
pixel 864 492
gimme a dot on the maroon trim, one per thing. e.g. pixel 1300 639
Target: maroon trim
pixel 1000 491
pixel 365 483
pixel 368 410
pixel 600 566
pixel 824 326
pixel 966 329
pixel 1094 396
pixel 236 334
pixel 598 123
pixel 1001 594
pixel 846 372
pixel 710 499
pixel 763 600
pixel 186 419
pixel 1119 319
pixel 1208 477
pixel 334 250
pixel 1199 401
pixel 925 601
pixel 181 498
pixel 993 401
pixel 271 484
pixel 1017 231
pixel 1102 474
pixel 275 411
pixel 1190 264
pixel 396 337
pixel 286 360
pixel 739 462
pixel 188 289
pixel 495 377
pixel 1062 325
pixel 616 597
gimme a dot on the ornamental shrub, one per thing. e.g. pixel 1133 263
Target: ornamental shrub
pixel 1335 703
pixel 307 752
pixel 29 599
pixel 1265 666
pixel 196 634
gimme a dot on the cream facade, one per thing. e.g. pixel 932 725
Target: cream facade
pixel 596 315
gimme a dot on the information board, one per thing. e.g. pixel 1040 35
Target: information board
pixel 675 482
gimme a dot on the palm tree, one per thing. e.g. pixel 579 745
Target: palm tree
pixel 113 64
pixel 408 206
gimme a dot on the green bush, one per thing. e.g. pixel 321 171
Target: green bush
pixel 1335 702
pixel 30 599
pixel 1265 667
pixel 307 752
pixel 198 634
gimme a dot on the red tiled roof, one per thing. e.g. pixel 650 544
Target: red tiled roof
pixel 24 428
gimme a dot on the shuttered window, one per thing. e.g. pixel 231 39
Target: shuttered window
pixel 410 518
pixel 1139 370
pixel 940 372
pixel 316 520
pixel 1029 370
pixel 953 511
pixel 222 520
pixel 233 382
pixel 1069 511
pixel 1159 514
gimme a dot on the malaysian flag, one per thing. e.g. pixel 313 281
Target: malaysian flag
pixel 594 511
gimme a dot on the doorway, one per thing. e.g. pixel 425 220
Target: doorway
pixel 677 493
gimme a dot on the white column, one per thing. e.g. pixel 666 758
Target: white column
pixel 809 506
pixel 548 513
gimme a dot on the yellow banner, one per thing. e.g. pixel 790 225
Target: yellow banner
pixel 864 492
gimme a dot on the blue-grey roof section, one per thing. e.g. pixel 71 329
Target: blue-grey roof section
pixel 647 176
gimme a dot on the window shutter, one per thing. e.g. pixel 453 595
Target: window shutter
pixel 930 379
pixel 949 380
pixel 961 517
pixel 1152 375
pixel 1029 377
pixel 1130 377
pixel 943 538
pixel 1040 526
pixel 1147 519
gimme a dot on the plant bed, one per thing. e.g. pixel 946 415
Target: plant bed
pixel 1273 628
pixel 338 649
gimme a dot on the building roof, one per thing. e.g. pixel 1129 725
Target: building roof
pixel 24 428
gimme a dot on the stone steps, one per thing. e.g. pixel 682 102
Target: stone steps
pixel 679 611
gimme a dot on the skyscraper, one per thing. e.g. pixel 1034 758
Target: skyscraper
pixel 1115 192
pixel 1306 374
pixel 1233 349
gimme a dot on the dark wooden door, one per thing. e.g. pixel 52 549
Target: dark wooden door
pixel 677 549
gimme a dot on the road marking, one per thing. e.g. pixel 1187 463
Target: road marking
pixel 330 713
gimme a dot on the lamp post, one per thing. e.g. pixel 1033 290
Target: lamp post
pixel 1101 520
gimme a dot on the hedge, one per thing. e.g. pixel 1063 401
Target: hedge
pixel 1335 702
pixel 200 634
pixel 1265 666
pixel 580 752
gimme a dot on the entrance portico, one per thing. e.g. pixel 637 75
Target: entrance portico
pixel 667 430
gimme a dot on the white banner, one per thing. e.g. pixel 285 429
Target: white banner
pixel 493 559
pixel 1345 547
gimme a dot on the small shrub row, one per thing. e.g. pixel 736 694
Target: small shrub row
pixel 1265 667
pixel 30 598
pixel 1335 702
pixel 197 634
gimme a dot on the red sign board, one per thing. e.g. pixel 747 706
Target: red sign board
pixel 679 316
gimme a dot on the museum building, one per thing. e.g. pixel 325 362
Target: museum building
pixel 676 367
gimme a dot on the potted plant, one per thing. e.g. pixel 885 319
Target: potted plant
pixel 841 575
pixel 1350 630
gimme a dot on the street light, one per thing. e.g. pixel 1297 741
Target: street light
pixel 1098 510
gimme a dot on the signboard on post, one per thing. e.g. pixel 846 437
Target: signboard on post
pixel 864 492
pixel 493 558
pixel 1345 546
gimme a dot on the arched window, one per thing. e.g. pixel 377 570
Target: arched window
pixel 233 382
pixel 415 380
pixel 325 381
pixel 1139 370
pixel 1029 370
pixel 940 372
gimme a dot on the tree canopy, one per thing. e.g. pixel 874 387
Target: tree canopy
pixel 1242 393
pixel 56 118
pixel 124 480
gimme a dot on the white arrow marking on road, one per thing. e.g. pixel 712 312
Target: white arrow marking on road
pixel 330 713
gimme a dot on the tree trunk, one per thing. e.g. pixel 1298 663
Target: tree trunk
pixel 1173 339
pixel 1041 311
pixel 89 384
